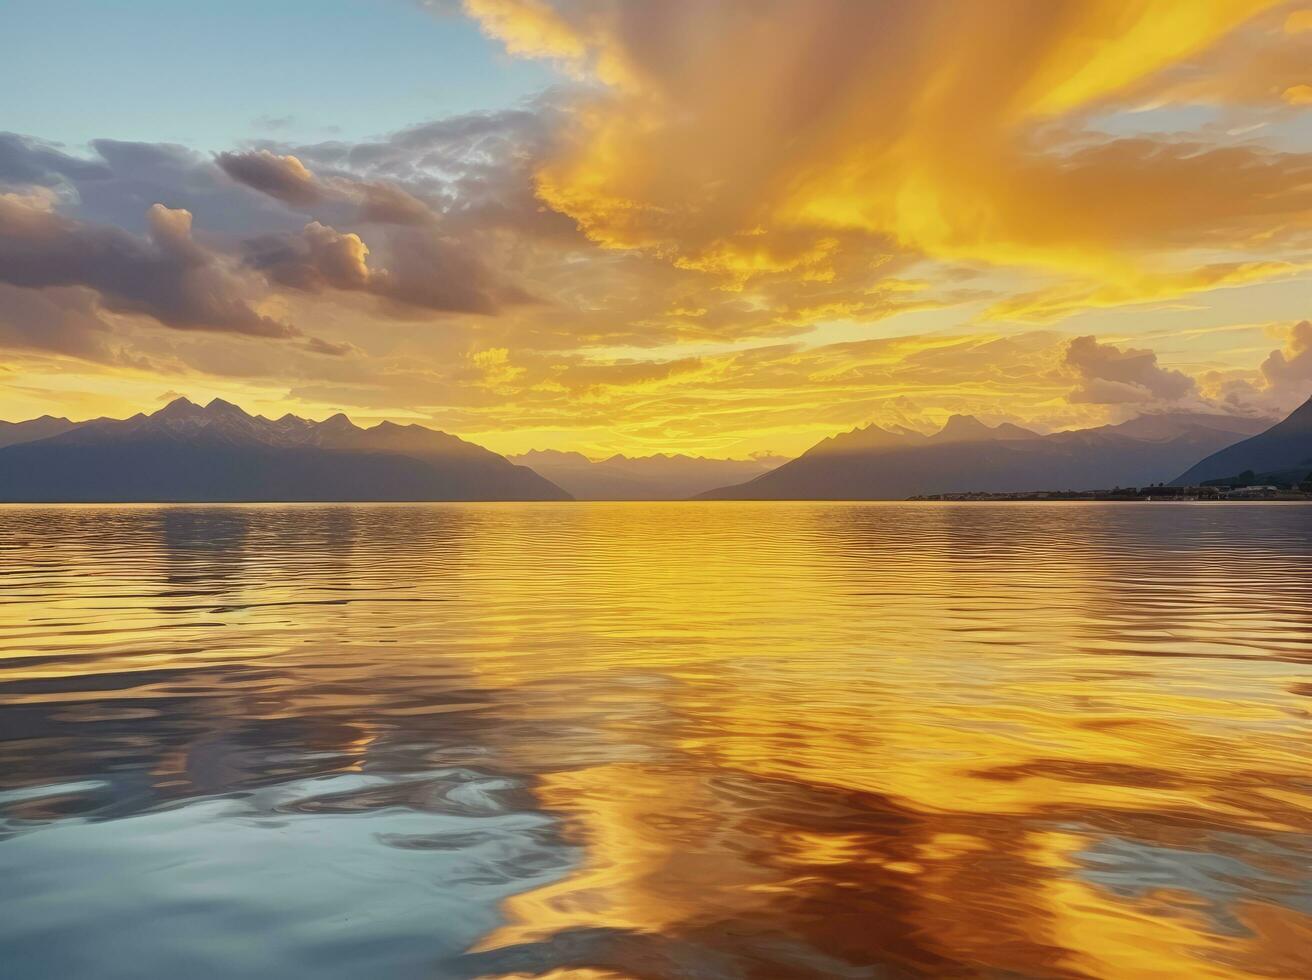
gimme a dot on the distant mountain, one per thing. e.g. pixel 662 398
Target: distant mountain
pixel 1285 447
pixel 12 433
pixel 659 477
pixel 871 463
pixel 185 452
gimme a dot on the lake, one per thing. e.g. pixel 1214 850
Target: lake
pixel 656 740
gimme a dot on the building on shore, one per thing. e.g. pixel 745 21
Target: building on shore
pixel 1157 492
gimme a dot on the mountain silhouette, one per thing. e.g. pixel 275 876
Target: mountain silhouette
pixel 658 477
pixel 186 452
pixel 1286 446
pixel 12 433
pixel 871 463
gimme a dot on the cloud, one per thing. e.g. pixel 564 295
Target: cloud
pixel 1291 367
pixel 120 179
pixel 283 177
pixel 1256 66
pixel 382 203
pixel 432 268
pixel 864 132
pixel 474 171
pixel 582 379
pixel 318 258
pixel 1109 375
pixel 287 179
pixel 430 272
pixel 167 276
pixel 1057 302
pixel 317 345
pixel 58 321
pixel 866 138
pixel 25 160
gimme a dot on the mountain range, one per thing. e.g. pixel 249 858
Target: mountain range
pixel 873 463
pixel 186 452
pixel 12 433
pixel 659 477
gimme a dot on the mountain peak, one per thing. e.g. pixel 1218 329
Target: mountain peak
pixel 1009 430
pixel 182 405
pixel 218 405
pixel 337 423
pixel 865 438
pixel 967 428
pixel 962 427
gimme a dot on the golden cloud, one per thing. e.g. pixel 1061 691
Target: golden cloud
pixel 743 139
pixel 1057 302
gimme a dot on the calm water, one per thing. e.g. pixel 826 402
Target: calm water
pixel 656 741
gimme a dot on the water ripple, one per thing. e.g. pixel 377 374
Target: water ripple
pixel 656 740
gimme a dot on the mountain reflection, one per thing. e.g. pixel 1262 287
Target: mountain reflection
pixel 658 740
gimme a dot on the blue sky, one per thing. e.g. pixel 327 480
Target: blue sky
pixel 213 74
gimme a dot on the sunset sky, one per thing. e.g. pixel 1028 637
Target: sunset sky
pixel 707 227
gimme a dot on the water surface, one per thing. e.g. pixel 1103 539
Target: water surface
pixel 656 741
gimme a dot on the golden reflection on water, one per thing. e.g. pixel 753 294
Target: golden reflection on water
pixel 774 740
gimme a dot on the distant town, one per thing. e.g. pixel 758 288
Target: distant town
pixel 1243 487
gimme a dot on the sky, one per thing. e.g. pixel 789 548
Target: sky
pixel 719 227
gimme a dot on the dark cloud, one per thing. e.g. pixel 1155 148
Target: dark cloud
pixel 125 178
pixel 318 258
pixel 102 237
pixel 428 271
pixel 283 177
pixel 1108 375
pixel 24 160
pixel 167 275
